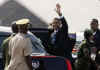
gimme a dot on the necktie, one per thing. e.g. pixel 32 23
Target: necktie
pixel 53 37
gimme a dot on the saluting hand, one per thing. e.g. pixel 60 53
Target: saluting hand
pixel 58 9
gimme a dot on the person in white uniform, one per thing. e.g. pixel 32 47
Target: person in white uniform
pixel 20 48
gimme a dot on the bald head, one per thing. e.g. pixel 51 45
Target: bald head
pixel 94 24
pixel 14 27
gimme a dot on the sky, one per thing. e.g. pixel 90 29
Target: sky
pixel 78 13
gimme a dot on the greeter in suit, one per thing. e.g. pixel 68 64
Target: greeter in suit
pixel 96 32
pixel 59 37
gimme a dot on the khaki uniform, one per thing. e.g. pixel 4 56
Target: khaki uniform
pixel 19 47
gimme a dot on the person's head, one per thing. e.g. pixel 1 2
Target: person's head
pixel 23 25
pixel 88 34
pixel 56 23
pixel 14 27
pixel 94 24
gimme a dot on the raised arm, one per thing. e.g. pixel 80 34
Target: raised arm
pixel 63 21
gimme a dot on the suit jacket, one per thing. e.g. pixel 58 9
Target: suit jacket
pixel 97 39
pixel 62 34
pixel 62 42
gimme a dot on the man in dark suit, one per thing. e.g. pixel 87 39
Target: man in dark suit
pixel 59 37
pixel 96 32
